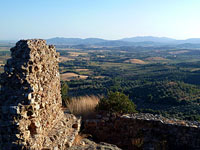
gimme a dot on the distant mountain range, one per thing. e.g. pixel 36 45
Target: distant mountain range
pixel 134 41
pixel 149 39
pixel 74 41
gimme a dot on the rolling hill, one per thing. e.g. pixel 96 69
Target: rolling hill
pixel 133 41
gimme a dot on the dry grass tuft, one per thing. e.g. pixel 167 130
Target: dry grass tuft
pixel 83 106
pixel 80 137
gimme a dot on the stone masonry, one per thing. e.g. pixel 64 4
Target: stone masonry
pixel 144 131
pixel 31 116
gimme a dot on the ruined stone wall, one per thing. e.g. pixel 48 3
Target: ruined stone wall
pixel 145 131
pixel 31 116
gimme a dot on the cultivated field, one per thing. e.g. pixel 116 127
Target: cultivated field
pixel 136 61
pixel 72 76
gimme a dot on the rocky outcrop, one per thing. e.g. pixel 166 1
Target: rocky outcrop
pixel 31 116
pixel 144 131
pixel 87 144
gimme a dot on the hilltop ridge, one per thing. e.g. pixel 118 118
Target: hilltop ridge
pixel 132 41
pixel 31 114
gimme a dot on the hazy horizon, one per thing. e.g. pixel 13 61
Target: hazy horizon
pixel 95 37
pixel 111 20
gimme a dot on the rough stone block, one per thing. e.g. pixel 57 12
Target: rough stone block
pixel 30 100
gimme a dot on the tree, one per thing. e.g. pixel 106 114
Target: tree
pixel 64 92
pixel 117 102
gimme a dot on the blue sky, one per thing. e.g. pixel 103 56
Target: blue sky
pixel 109 19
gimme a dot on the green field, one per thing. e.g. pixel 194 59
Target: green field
pixel 159 81
pixel 164 81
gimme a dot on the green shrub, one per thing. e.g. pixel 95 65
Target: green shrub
pixel 116 102
pixel 64 93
